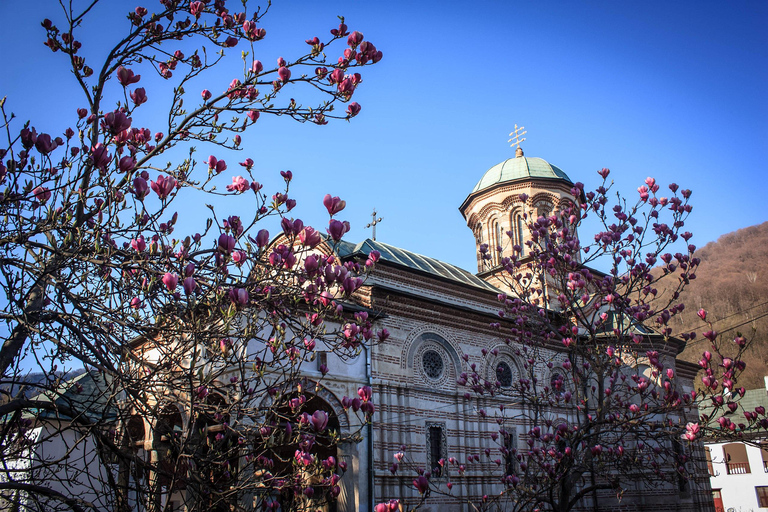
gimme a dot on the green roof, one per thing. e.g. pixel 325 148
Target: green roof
pixel 414 261
pixel 752 398
pixel 517 169
pixel 89 394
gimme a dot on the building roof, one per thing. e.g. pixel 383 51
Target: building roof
pixel 751 399
pixel 414 261
pixel 519 168
pixel 89 394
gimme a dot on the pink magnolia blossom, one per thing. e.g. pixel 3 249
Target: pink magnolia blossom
pixel 262 238
pixel 333 204
pixel 140 187
pixel 702 314
pixel 44 144
pixel 126 164
pixel 319 420
pixel 138 244
pixel 364 392
pixel 354 39
pixel 257 67
pixel 100 157
pixel 196 8
pixel 284 73
pixel 239 296
pixel 346 88
pixel 226 243
pixel 217 166
pixel 126 77
pixel 170 281
pixel 239 257
pixel 139 96
pixel 336 76
pixel 253 115
pixel 336 229
pixel 691 431
pixel 341 31
pixel 310 237
pixel 421 483
pixel 189 285
pixel 163 186
pixel 353 109
pixel 42 194
pixel 206 94
pixel 239 184
pixel 604 172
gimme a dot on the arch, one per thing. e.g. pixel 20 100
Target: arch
pixel 557 381
pixel 491 209
pixel 406 357
pixel 277 458
pixel 311 388
pixel 504 355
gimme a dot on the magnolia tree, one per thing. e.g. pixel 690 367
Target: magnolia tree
pixel 599 407
pixel 192 343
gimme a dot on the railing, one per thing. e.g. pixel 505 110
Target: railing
pixel 737 468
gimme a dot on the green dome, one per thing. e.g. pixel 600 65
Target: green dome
pixel 519 168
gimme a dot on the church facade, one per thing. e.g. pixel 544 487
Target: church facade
pixel 439 317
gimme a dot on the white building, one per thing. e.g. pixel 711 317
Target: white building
pixel 739 471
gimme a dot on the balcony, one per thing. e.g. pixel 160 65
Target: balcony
pixel 737 468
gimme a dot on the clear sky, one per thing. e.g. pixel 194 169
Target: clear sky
pixel 675 90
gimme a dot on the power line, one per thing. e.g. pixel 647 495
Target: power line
pixel 739 312
pixel 690 343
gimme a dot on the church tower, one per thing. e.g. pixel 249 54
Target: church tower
pixel 495 209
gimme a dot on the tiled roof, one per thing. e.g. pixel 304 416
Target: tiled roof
pixel 414 261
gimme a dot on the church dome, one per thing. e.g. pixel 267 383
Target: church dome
pixel 519 168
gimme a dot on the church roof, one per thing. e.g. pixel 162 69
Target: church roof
pixel 519 168
pixel 414 261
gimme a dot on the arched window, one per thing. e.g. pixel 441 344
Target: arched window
pixel 499 242
pixel 173 467
pixel 521 235
pixel 509 453
pixel 504 374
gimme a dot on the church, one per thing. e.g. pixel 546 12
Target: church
pixel 439 318
pixel 447 434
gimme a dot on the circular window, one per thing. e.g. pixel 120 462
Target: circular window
pixel 432 363
pixel 504 374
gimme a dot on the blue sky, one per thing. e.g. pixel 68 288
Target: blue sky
pixel 674 90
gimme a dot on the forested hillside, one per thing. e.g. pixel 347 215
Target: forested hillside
pixel 732 285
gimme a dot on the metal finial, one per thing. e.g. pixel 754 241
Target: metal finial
pixel 373 223
pixel 517 136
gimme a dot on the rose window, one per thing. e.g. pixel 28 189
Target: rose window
pixel 432 363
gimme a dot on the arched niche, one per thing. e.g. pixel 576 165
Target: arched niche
pixel 433 360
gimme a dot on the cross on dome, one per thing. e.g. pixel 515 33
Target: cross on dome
pixel 517 137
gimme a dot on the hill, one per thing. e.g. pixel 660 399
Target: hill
pixel 732 286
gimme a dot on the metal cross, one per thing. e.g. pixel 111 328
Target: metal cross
pixel 516 136
pixel 373 223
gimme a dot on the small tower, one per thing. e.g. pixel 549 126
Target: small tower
pixel 498 216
